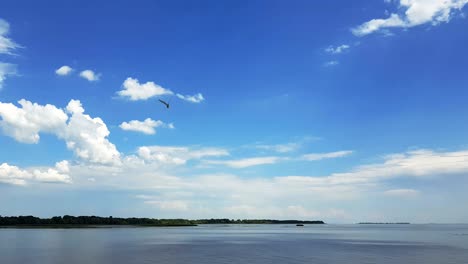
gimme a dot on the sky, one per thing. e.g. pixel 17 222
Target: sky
pixel 344 111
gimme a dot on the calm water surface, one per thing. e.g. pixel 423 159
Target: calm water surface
pixel 441 244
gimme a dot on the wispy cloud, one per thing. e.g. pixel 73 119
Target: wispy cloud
pixel 418 163
pixel 280 148
pixel 6 69
pixel 197 98
pixel 338 49
pixel 165 204
pixel 331 63
pixel 329 155
pixel 244 163
pixel 178 155
pixel 416 12
pixel 7 45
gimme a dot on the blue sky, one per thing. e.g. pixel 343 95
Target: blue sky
pixel 338 111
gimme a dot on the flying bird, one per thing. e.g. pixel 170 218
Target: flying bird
pixel 164 103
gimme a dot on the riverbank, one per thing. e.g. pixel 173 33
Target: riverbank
pixel 68 221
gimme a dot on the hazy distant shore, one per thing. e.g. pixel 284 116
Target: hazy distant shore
pixel 384 223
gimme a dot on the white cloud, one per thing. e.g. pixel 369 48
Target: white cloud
pixel 417 12
pixel 90 75
pixel 64 70
pixel 25 123
pixel 244 163
pixel 13 175
pixel 338 49
pixel 171 205
pixel 280 148
pixel 285 196
pixel 418 163
pixel 59 174
pixel 331 63
pixel 146 127
pixel 281 197
pixel 63 166
pixel 136 91
pixel 197 98
pixel 6 44
pixel 17 176
pixel 165 203
pixel 6 69
pixel 402 193
pixel 177 155
pixel 329 155
pixel 86 136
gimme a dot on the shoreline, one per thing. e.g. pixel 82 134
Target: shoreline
pixel 68 221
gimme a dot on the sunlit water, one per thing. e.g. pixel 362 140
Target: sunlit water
pixel 239 244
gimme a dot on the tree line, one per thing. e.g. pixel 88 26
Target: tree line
pixel 96 220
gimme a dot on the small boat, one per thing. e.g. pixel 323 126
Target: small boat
pixel 299 225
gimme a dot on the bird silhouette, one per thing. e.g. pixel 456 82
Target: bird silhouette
pixel 164 103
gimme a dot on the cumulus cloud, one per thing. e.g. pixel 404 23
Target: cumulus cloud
pixel 177 155
pixel 329 155
pixel 416 12
pixel 7 45
pixel 59 174
pixel 86 136
pixel 17 176
pixel 197 98
pixel 136 91
pixel 338 49
pixel 25 123
pixel 90 75
pixel 244 163
pixel 13 175
pixel 64 70
pixel 6 69
pixel 147 126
